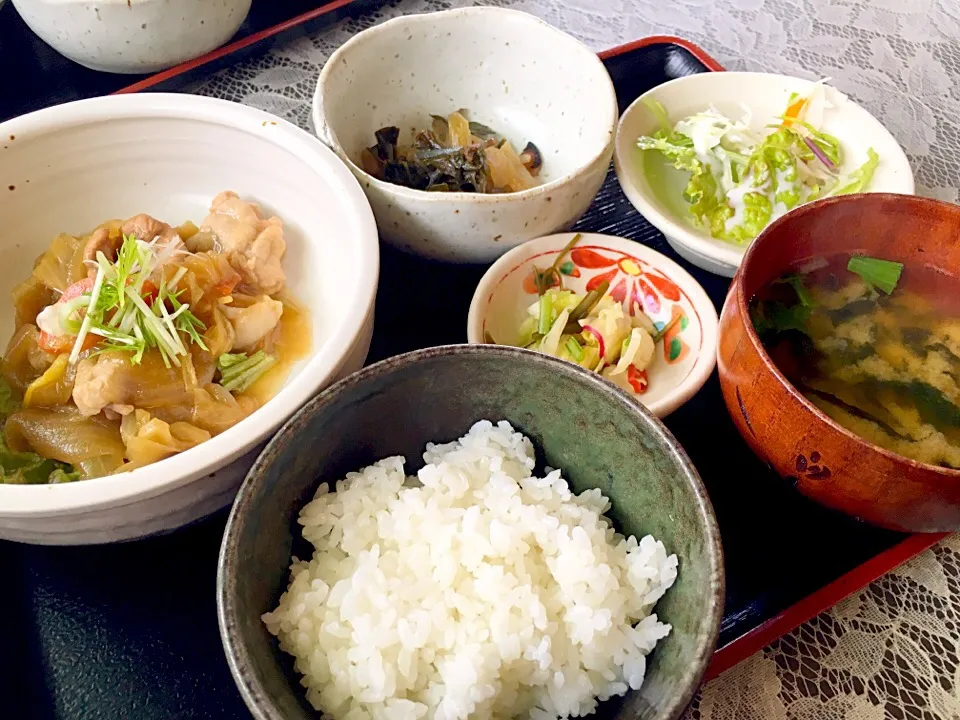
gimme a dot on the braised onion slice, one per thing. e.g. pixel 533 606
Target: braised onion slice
pixel 91 444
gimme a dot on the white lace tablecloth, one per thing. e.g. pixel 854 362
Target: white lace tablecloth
pixel 893 650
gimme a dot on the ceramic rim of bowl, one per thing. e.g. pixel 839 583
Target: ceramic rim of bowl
pixel 707 316
pixel 25 501
pixel 318 113
pixel 743 306
pixel 229 565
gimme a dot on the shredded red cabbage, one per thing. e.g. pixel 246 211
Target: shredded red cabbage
pixel 821 156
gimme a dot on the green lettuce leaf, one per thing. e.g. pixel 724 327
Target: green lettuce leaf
pixel 678 149
pixel 775 160
pixel 758 210
pixel 702 194
pixel 674 146
pixel 789 197
pixel 858 180
pixel 777 151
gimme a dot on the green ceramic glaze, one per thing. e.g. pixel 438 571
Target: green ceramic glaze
pixel 578 422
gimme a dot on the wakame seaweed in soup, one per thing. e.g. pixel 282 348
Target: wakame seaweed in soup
pixel 876 346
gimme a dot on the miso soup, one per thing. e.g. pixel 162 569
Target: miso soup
pixel 876 346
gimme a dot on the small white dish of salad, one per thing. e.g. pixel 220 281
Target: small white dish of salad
pixel 712 159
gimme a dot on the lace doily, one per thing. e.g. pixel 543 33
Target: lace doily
pixel 899 58
pixel 892 651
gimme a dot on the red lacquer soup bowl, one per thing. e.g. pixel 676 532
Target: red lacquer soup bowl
pixel 826 462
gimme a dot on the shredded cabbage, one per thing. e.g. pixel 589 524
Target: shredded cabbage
pixel 638 351
pixel 551 341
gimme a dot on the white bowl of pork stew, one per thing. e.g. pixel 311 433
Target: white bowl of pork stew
pixel 185 274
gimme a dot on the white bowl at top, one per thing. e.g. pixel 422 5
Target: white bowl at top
pixel 133 36
pixel 73 166
pixel 655 188
pixel 512 72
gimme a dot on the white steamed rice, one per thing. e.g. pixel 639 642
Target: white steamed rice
pixel 473 590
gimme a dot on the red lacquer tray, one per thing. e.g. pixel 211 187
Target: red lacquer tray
pixel 141 616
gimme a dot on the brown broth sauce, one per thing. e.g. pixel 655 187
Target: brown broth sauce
pixel 290 343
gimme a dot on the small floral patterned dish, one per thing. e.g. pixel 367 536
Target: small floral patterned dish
pixel 684 319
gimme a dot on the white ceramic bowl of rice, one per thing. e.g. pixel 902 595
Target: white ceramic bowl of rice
pixel 474 580
pixel 71 167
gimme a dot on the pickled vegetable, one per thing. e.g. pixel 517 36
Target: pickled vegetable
pixel 454 155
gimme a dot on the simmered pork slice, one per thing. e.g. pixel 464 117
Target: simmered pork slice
pixel 251 324
pixel 104 241
pixel 142 226
pixel 255 245
pixel 146 228
pixel 111 380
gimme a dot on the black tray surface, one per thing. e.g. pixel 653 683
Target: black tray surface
pixel 129 631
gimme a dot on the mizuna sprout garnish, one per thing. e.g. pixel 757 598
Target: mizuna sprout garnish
pixel 130 315
pixel 238 372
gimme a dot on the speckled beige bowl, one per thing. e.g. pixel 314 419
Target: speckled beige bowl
pixel 514 73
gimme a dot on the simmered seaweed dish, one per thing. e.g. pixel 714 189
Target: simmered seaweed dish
pixel 142 340
pixel 875 346
pixel 454 155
